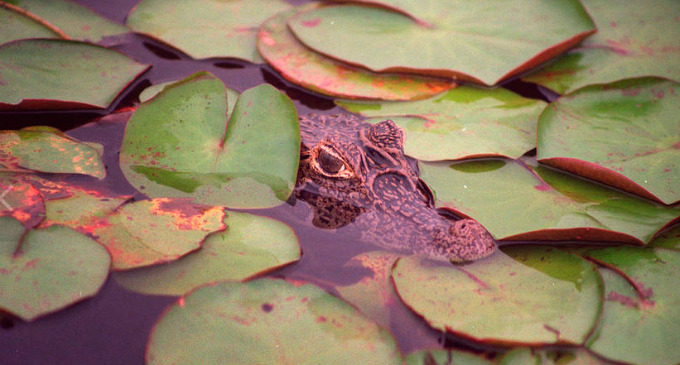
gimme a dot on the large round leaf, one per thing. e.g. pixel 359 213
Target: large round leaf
pixel 267 322
pixel 50 73
pixel 14 25
pixel 513 203
pixel 640 321
pixel 634 38
pixel 48 270
pixel 624 134
pixel 206 28
pixel 522 294
pixel 457 40
pixel 251 245
pixel 300 65
pixel 463 122
pixel 176 145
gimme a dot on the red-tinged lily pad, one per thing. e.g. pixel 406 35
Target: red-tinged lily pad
pixel 514 203
pixel 21 200
pixel 301 66
pixel 461 123
pixel 453 39
pixel 49 150
pixel 267 321
pixel 625 134
pixel 669 239
pixel 633 39
pixel 444 357
pixel 640 321
pixel 81 209
pixel 160 230
pixel 251 245
pixel 176 145
pixel 14 25
pixel 60 74
pixel 520 295
pixel 206 28
pixel 48 269
pixel 72 19
pixel 566 356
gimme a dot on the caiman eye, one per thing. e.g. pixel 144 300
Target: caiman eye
pixel 330 163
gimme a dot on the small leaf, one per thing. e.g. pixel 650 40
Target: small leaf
pixel 206 28
pixel 267 321
pixel 250 246
pixel 523 295
pixel 50 269
pixel 624 134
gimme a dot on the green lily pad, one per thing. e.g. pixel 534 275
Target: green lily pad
pixel 624 134
pixel 574 356
pixel 48 270
pixel 514 203
pixel 20 200
pixel 463 122
pixel 15 25
pixel 299 65
pixel 80 209
pixel 453 39
pixel 160 230
pixel 250 246
pixel 444 357
pixel 633 39
pixel 175 145
pixel 206 28
pixel 523 295
pixel 640 321
pixel 49 150
pixel 57 74
pixel 267 321
pixel 153 90
pixel 72 19
pixel 669 239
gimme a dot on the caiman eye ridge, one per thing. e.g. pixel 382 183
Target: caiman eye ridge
pixel 330 163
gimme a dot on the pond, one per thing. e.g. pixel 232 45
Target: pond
pixel 588 253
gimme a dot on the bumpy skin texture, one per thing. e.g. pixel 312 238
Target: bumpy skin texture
pixel 353 171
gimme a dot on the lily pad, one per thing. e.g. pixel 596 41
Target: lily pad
pixel 72 19
pixel 175 145
pixel 48 269
pixel 150 232
pixel 460 123
pixel 49 150
pixel 633 39
pixel 301 66
pixel 153 90
pixel 624 134
pixel 514 203
pixel 568 356
pixel 20 200
pixel 57 74
pixel 520 295
pixel 453 39
pixel 669 239
pixel 250 246
pixel 15 25
pixel 206 28
pixel 267 321
pixel 444 357
pixel 640 321
pixel 80 209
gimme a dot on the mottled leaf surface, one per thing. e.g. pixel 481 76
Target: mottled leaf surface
pixel 20 200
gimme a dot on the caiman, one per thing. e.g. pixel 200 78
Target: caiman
pixel 356 172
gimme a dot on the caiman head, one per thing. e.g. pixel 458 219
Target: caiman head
pixel 353 171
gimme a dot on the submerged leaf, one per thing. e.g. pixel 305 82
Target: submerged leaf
pixel 267 321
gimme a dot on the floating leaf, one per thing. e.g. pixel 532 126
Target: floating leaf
pixel 624 134
pixel 463 122
pixel 455 39
pixel 50 73
pixel 444 357
pixel 267 321
pixel 573 356
pixel 640 321
pixel 50 269
pixel 175 145
pixel 633 39
pixel 206 28
pixel 669 239
pixel 75 20
pixel 522 295
pixel 153 90
pixel 513 203
pixel 251 245
pixel 14 25
pixel 21 200
pixel 80 209
pixel 299 65
pixel 149 232
pixel 49 150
